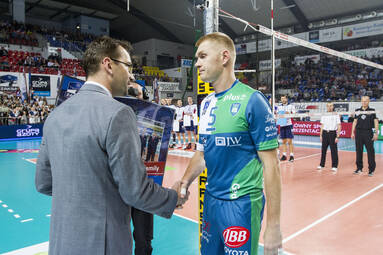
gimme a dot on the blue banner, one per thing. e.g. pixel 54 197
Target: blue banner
pixel 21 131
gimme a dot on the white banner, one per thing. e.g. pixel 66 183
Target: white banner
pixel 372 52
pixel 266 64
pixel 251 47
pixel 301 59
pixel 240 49
pixel 169 86
pixel 186 62
pixel 363 29
pixel 330 35
pixel 264 45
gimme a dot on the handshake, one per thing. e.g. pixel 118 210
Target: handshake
pixel 183 194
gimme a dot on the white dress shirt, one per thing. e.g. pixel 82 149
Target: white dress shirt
pixel 330 122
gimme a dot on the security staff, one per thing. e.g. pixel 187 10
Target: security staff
pixel 362 131
pixel 329 134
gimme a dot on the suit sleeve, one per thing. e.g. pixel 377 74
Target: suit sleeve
pixel 129 173
pixel 43 178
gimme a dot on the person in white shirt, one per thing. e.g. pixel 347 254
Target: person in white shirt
pixel 180 130
pixel 171 103
pixel 286 127
pixel 329 135
pixel 188 119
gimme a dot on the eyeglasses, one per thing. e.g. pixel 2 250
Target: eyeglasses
pixel 127 65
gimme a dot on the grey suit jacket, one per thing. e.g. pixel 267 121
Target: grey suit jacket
pixel 90 163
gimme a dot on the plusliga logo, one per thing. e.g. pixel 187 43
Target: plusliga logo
pixel 236 236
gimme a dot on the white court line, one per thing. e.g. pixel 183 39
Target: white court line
pixel 5 206
pixel 48 215
pixel 330 214
pixel 26 220
pixel 31 250
pixel 10 210
pixel 185 218
pixel 16 216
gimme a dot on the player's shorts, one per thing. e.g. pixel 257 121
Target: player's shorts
pixel 232 226
pixel 196 130
pixel 191 127
pixel 181 127
pixel 286 132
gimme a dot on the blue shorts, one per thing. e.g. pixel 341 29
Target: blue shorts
pixel 191 127
pixel 286 132
pixel 232 226
pixel 181 127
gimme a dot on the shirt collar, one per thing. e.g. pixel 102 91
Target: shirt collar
pixel 99 85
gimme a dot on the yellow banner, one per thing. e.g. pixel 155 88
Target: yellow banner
pixel 204 88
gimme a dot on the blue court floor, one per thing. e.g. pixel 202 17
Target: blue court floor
pixel 25 214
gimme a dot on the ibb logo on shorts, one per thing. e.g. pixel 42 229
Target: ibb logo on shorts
pixel 236 236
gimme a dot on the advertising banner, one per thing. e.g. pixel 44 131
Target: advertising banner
pixel 8 83
pixel 266 64
pixel 41 85
pixel 21 131
pixel 363 29
pixel 313 128
pixel 330 34
pixel 69 86
pixel 168 86
pixel 380 135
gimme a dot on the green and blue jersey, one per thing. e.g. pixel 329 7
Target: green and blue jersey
pixel 234 125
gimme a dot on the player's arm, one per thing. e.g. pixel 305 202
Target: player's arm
pixel 272 180
pixel 353 128
pixel 194 169
pixel 376 124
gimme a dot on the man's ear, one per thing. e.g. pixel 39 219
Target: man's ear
pixel 225 57
pixel 107 65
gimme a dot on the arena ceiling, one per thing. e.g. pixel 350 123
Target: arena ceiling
pixel 176 20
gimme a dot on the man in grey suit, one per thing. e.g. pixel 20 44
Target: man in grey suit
pixel 90 161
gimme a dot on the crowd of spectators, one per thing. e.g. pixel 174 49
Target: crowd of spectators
pixel 331 79
pixel 13 111
pixel 18 33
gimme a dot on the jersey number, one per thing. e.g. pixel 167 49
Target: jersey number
pixel 214 118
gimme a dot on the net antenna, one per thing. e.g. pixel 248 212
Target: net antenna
pixel 254 4
pixel 128 5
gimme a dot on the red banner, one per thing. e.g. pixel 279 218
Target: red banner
pixel 155 168
pixel 313 128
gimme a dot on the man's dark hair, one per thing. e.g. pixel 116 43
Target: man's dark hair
pixel 100 48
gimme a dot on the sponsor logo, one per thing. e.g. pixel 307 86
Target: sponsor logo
pixel 234 189
pixel 270 128
pixel 269 118
pixel 205 106
pixel 40 83
pixel 363 117
pixel 152 168
pixel 234 109
pixel 230 97
pixel 228 141
pixel 235 236
pixel 235 252
pixel 27 132
pixel 205 231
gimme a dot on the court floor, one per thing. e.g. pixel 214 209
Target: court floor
pixel 322 212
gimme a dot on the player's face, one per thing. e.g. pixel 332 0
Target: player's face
pixel 330 107
pixel 179 103
pixel 209 61
pixel 284 100
pixel 190 100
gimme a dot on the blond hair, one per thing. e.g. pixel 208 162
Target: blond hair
pixel 220 38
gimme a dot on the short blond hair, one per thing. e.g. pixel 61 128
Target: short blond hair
pixel 220 38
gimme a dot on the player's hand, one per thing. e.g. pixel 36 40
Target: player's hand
pixel 375 137
pixel 273 240
pixel 182 196
pixel 352 136
pixel 320 138
pixel 336 140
